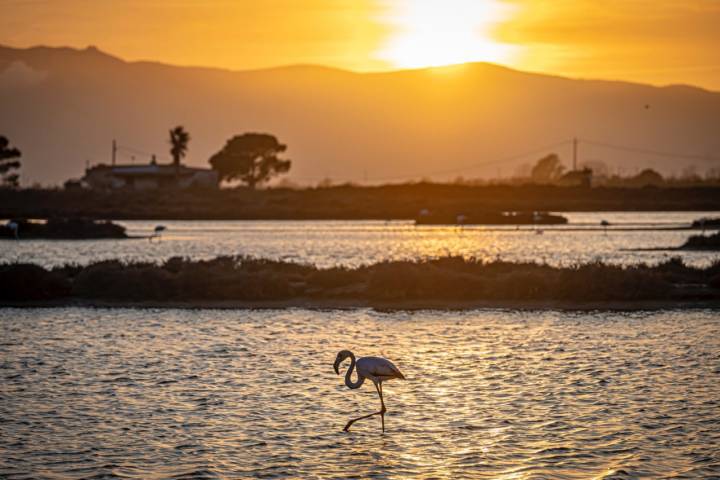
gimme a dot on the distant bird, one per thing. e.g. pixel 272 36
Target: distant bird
pixel 605 224
pixel 158 231
pixel 375 369
pixel 13 227
pixel 537 217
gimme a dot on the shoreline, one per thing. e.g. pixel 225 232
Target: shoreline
pixel 303 303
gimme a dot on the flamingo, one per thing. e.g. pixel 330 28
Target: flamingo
pixel 605 224
pixel 13 226
pixel 375 369
pixel 536 218
pixel 157 232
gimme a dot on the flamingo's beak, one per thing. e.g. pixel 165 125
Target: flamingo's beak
pixel 335 366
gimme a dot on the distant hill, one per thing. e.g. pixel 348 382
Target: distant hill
pixel 62 107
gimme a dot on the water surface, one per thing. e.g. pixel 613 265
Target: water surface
pixel 352 243
pixel 92 393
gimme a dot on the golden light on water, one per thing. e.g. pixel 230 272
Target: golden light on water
pixel 433 33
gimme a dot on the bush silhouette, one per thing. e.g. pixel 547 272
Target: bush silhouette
pixel 443 279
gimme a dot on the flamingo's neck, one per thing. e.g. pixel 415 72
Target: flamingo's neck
pixel 348 380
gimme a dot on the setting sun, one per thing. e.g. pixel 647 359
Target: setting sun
pixel 432 33
pixel 230 228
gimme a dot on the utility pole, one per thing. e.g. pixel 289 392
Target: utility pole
pixel 575 148
pixel 114 151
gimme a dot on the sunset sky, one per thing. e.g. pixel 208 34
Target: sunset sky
pixel 654 41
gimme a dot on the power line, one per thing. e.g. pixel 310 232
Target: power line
pixel 131 152
pixel 134 150
pixel 687 156
pixel 574 141
pixel 510 158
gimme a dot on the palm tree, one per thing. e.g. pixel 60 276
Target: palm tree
pixel 179 139
pixel 8 163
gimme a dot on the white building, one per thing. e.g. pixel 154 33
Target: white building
pixel 149 177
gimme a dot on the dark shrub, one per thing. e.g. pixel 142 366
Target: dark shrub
pixel 228 278
pixel 421 280
pixel 68 271
pixel 113 280
pixel 674 270
pixel 702 242
pixel 713 269
pixel 295 271
pixel 394 281
pixel 175 264
pixel 335 277
pixel 610 282
pixel 523 284
pixel 30 282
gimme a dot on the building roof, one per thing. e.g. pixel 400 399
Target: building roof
pixel 134 170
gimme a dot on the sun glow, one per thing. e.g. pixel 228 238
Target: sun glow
pixel 443 32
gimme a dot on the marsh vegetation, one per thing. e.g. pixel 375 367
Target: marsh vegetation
pixel 448 279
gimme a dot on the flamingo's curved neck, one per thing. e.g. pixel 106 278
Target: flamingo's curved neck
pixel 348 381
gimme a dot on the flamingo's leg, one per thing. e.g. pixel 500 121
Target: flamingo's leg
pixel 378 387
pixel 347 427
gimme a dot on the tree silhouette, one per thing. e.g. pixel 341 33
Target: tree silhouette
pixel 179 139
pixel 547 169
pixel 8 163
pixel 646 178
pixel 251 158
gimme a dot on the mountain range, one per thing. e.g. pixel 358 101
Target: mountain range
pixel 63 107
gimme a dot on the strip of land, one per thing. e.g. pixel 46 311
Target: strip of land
pixel 696 243
pixel 443 283
pixel 348 202
pixel 397 305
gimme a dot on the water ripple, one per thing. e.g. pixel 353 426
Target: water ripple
pixel 172 394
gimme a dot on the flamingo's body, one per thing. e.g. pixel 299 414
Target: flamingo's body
pixel 157 232
pixel 375 369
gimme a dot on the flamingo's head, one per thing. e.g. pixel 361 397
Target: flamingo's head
pixel 341 356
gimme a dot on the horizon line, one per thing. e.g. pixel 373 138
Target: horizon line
pixel 95 48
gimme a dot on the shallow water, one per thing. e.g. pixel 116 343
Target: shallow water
pixel 92 393
pixel 351 243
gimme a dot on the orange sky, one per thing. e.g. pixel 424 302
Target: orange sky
pixel 653 41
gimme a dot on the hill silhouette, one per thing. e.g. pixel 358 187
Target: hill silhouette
pixel 62 107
